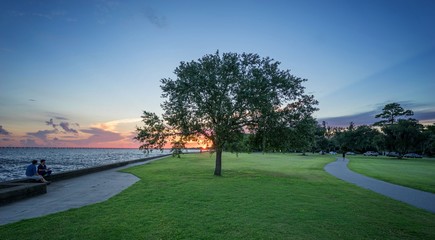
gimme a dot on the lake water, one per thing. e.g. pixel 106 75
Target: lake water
pixel 13 161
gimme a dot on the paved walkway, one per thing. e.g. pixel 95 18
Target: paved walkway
pixel 411 196
pixel 71 193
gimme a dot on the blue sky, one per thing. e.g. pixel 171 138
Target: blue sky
pixel 80 73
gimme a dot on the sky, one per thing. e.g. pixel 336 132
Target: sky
pixel 81 73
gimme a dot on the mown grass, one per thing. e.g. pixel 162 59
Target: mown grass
pixel 272 196
pixel 414 173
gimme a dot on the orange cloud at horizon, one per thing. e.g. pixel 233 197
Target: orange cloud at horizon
pixel 86 138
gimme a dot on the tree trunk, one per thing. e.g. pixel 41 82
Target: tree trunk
pixel 218 167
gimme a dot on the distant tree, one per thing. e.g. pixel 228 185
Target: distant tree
pixel 321 141
pixel 390 113
pixel 347 139
pixel 358 139
pixel 221 97
pixel 335 136
pixel 329 132
pixel 400 135
pixel 379 141
pixel 429 140
pixel 154 134
pixel 303 135
pixel 351 126
pixel 404 136
pixel 367 138
pixel 177 147
pixel 242 145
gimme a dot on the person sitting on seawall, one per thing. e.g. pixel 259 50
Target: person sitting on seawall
pixel 43 170
pixel 32 173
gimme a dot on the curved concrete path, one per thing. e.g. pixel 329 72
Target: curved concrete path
pixel 71 193
pixel 417 198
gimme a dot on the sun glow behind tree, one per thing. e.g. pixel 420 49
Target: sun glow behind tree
pixel 219 97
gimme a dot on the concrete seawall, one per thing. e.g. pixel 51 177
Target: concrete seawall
pixel 18 189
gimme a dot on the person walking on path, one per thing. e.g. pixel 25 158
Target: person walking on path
pixel 32 173
pixel 344 155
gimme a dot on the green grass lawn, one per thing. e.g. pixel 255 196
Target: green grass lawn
pixel 272 196
pixel 414 173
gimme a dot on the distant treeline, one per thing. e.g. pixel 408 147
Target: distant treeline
pixel 396 132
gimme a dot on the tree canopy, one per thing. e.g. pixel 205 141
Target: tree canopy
pixel 395 134
pixel 405 135
pixel 390 113
pixel 220 97
pixel 359 139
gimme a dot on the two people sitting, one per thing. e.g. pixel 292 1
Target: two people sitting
pixel 38 173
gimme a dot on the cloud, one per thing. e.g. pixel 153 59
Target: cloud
pixel 47 15
pixel 154 18
pixel 90 137
pixel 61 118
pixel 17 14
pixel 42 134
pixel 368 118
pixel 100 135
pixel 365 118
pixel 65 126
pixel 51 123
pixel 425 117
pixel 43 15
pixel 104 10
pixel 113 124
pixel 106 5
pixel 29 143
pixel 4 131
pixel 50 15
pixel 93 137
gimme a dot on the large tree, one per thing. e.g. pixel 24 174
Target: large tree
pixel 391 113
pixel 220 97
pixel 400 134
pixel 404 136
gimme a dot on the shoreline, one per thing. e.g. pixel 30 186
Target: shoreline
pixel 18 189
pixel 88 170
pixel 72 193
pixel 13 161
